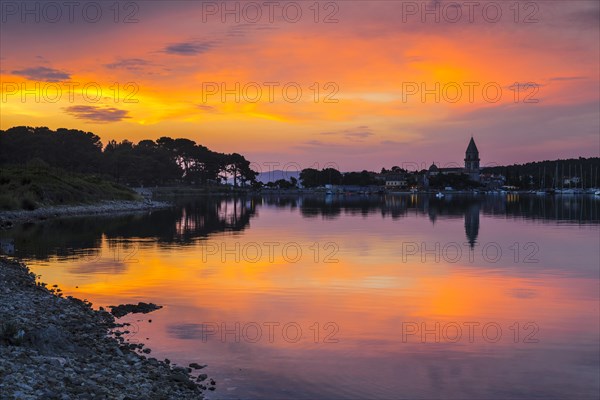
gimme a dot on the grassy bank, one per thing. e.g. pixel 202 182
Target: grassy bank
pixel 28 188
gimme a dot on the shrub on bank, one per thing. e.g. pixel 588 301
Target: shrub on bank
pixel 28 188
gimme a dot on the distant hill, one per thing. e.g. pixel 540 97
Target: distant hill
pixel 272 176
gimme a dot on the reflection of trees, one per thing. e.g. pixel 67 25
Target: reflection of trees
pixel 61 238
pixel 182 224
pixel 333 206
pixel 200 218
pixel 394 206
pixel 580 209
pixel 575 209
pixel 280 201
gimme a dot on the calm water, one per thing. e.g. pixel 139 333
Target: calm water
pixel 350 297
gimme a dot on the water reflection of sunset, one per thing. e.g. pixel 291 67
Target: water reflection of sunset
pixel 369 301
pixel 388 292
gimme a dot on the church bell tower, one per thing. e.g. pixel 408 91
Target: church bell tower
pixel 472 161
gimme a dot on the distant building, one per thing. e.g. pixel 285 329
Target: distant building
pixel 435 170
pixel 471 165
pixel 395 181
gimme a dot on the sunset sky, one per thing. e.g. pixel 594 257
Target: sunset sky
pixel 160 68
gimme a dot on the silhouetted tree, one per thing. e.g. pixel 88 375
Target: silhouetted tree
pixel 160 162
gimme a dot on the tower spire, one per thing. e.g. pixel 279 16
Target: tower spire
pixel 472 160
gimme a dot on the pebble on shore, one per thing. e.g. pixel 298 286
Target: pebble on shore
pixel 54 347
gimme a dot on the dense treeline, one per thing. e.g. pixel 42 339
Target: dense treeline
pixel 311 178
pixel 551 173
pixel 161 162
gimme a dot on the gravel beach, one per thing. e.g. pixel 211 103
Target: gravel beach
pixel 9 218
pixel 55 347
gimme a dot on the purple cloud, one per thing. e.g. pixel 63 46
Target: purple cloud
pixel 130 64
pixel 567 78
pixel 44 74
pixel 206 108
pixel 97 114
pixel 191 48
pixel 354 134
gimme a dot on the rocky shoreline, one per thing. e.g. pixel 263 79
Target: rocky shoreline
pixel 55 347
pixel 9 218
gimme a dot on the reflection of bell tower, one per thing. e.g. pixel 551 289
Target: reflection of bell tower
pixel 472 224
pixel 472 161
